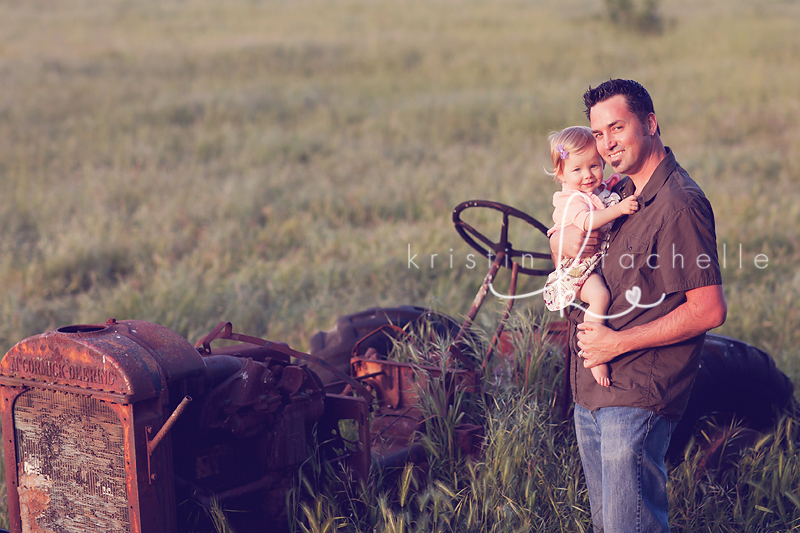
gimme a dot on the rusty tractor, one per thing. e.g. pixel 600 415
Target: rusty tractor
pixel 126 426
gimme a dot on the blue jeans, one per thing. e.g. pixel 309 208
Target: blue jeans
pixel 622 452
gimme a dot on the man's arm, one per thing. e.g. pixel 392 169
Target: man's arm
pixel 704 309
pixel 567 242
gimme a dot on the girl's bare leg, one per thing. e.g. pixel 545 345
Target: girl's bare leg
pixel 595 293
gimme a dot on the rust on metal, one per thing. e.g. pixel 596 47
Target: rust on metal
pixel 291 380
pixel 398 416
pixel 69 454
pixel 84 403
pixel 502 324
pixel 455 347
pixel 78 400
pixel 34 500
pixel 152 444
pixel 117 360
pixel 224 330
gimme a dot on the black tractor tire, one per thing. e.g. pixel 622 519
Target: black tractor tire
pixel 336 345
pixel 735 380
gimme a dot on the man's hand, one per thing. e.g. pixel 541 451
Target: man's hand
pixel 598 343
pixel 567 242
pixel 704 309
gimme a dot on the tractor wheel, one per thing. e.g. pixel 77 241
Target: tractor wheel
pixel 337 344
pixel 735 381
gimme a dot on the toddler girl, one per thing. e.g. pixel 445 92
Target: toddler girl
pixel 585 201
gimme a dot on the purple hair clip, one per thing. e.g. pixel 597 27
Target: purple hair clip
pixel 564 153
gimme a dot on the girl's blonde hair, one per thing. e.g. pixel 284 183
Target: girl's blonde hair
pixel 569 140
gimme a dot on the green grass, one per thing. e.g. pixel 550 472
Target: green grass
pixel 270 163
pixel 528 475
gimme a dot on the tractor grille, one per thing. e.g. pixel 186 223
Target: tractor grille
pixel 70 463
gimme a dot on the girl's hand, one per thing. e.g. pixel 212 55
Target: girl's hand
pixel 629 205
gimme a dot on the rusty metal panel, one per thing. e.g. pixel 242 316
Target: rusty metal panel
pixel 177 359
pixel 398 417
pixel 95 358
pixel 85 408
pixel 125 361
pixel 398 385
pixel 70 464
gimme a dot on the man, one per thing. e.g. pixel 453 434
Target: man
pixel 663 274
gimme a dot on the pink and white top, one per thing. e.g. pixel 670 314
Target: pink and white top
pixel 573 207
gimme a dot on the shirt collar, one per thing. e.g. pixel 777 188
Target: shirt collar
pixel 658 178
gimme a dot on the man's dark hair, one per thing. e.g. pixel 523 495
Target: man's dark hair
pixel 637 97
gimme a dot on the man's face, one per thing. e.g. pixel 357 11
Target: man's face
pixel 622 140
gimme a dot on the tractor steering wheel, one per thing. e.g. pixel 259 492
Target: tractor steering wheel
pixel 490 248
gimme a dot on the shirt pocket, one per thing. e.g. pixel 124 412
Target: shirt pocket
pixel 626 262
pixel 633 244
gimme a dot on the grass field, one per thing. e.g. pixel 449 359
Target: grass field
pixel 277 164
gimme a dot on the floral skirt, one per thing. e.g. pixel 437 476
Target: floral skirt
pixel 565 281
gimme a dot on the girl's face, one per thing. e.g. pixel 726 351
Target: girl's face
pixel 583 171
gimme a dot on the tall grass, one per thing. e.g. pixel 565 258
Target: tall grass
pixel 274 163
pixel 757 490
pixel 525 478
pixel 528 475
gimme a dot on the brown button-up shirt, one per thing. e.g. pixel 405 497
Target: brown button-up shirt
pixel 655 255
